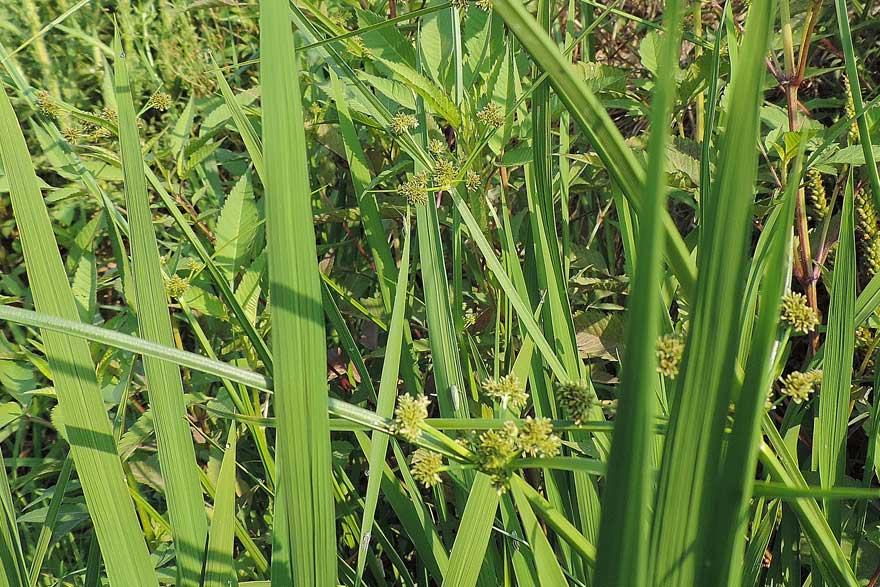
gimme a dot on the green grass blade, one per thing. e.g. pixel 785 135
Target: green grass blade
pixel 89 433
pixel 51 517
pixel 623 539
pixel 547 566
pixel 834 397
pixel 386 401
pixel 177 457
pixel 219 564
pixel 304 526
pixel 594 121
pixel 693 442
pixel 12 563
pixel 473 534
pixel 250 137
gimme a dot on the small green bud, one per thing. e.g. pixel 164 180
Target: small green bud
pixel 670 348
pixel 402 123
pixel 508 391
pixel 797 313
pixel 798 386
pixel 425 466
pixel 577 398
pixel 411 412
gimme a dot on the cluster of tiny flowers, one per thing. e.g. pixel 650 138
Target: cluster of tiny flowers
pixel 403 122
pixel 818 197
pixel 470 319
pixel 425 467
pixel 436 146
pixel 508 391
pixel 473 181
pixel 798 386
pixel 577 399
pixel 850 111
pixel 46 104
pixel 460 4
pixel 411 412
pixel 72 134
pixel 491 115
pixel 193 264
pixel 536 438
pixel 444 174
pixel 868 228
pixel 160 101
pixel 415 190
pixel 670 348
pixel 176 286
pixel 485 5
pixel 797 313
pixel 496 449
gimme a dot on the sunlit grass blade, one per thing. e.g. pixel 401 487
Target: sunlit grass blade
pixel 219 564
pixel 834 398
pixel 623 539
pixel 693 442
pixel 303 540
pixel 91 438
pixel 473 534
pixel 386 399
pixel 12 563
pixel 177 457
pixel 547 566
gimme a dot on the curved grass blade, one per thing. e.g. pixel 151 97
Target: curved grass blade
pixel 177 459
pixel 304 550
pixel 49 526
pixel 472 537
pixel 12 564
pixel 91 438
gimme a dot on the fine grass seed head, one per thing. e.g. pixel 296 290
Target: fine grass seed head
pixel 670 348
pixel 797 313
pixel 437 147
pixel 425 467
pixel 161 101
pixel 491 115
pixel 473 181
pixel 577 399
pixel 536 438
pixel 495 449
pixel 402 123
pixel 444 174
pixel 508 391
pixel 799 386
pixel 485 5
pixel 72 134
pixel 818 197
pixel 176 286
pixel 411 412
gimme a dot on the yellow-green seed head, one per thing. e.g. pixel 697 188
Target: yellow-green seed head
pixel 72 134
pixel 577 398
pixel 444 174
pixel 670 348
pixel 160 101
pixel 508 391
pixel 491 115
pixel 436 146
pixel 460 4
pixel 473 181
pixel 46 104
pixel 176 286
pixel 415 190
pixel 797 313
pixel 799 386
pixel 536 438
pixel 411 412
pixel 485 5
pixel 425 467
pixel 402 123
pixel 494 450
pixel 193 264
pixel 818 197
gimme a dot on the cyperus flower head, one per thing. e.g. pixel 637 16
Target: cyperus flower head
pixel 403 122
pixel 444 174
pixel 798 386
pixel 491 115
pixel 472 181
pixel 670 348
pixel 176 286
pixel 797 313
pixel 426 467
pixel 536 438
pixel 415 190
pixel 411 412
pixel 161 101
pixel 508 391
pixel 577 399
pixel 46 104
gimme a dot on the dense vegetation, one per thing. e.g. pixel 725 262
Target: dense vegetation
pixel 384 292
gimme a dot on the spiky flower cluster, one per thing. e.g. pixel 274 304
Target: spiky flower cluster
pixel 436 146
pixel 485 5
pixel 473 181
pixel 160 101
pixel 508 391
pixel 868 228
pixel 797 313
pixel 496 449
pixel 426 467
pixel 444 174
pixel 850 111
pixel 461 4
pixel 403 122
pixel 72 134
pixel 864 337
pixel 176 286
pixel 46 104
pixel 577 398
pixel 818 197
pixel 536 438
pixel 193 264
pixel 798 386
pixel 491 115
pixel 411 412
pixel 669 349
pixel 316 111
pixel 415 190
